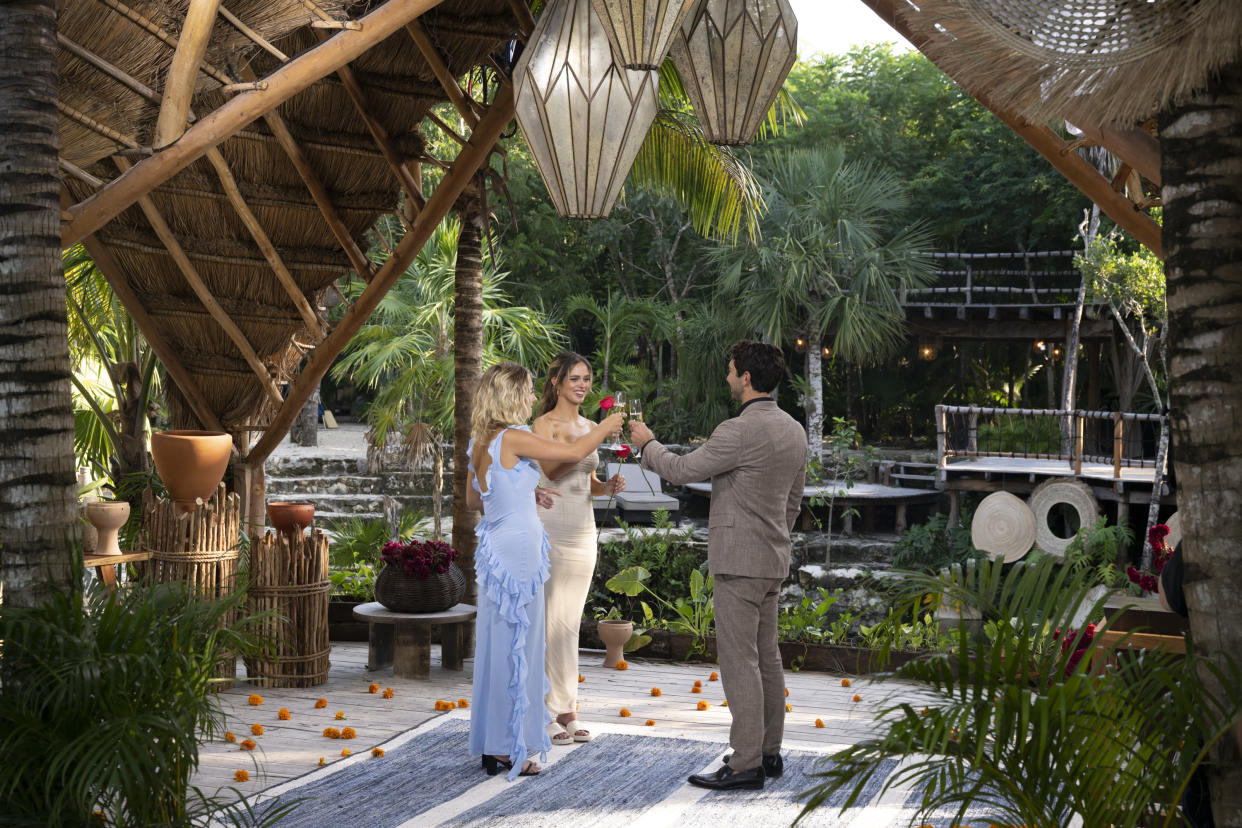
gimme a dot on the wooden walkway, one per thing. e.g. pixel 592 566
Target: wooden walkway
pixel 288 749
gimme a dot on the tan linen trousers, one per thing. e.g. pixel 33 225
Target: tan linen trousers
pixel 750 666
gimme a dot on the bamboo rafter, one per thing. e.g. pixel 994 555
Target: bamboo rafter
pixel 526 20
pixel 138 19
pixel 182 72
pixel 461 102
pixel 93 125
pixel 252 35
pixel 286 81
pixel 167 237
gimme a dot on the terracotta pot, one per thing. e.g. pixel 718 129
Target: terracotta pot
pixel 290 516
pixel 191 463
pixel 107 516
pixel 614 634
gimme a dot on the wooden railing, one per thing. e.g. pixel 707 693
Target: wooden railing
pixel 1031 278
pixel 1074 436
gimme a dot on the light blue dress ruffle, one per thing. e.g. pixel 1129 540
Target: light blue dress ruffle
pixel 507 715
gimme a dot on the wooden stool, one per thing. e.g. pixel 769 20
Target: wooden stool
pixel 403 639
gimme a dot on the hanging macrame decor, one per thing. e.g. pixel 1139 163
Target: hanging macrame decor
pixel 584 116
pixel 733 56
pixel 641 31
pixel 1092 62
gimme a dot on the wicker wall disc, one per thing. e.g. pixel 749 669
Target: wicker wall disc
pixel 1003 526
pixel 1060 490
pixel 1175 530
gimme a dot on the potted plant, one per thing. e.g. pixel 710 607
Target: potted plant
pixel 419 577
pixel 350 588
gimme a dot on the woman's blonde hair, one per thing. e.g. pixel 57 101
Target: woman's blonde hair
pixel 502 399
pixel 561 365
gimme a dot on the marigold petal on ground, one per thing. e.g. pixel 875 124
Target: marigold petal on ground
pixel 340 714
pixel 655 691
pixel 241 776
pixel 650 723
pixel 283 714
pixel 321 763
pixel 378 753
pixel 256 730
pixel 698 683
pixel 857 697
pixel 786 692
pixel 387 693
pixel 621 665
pixel 348 733
pixel 374 688
pixel 229 737
pixel 332 733
pixel 724 703
pixel 702 705
pixel 789 708
pixel 463 703
pixel 696 689
pixel 346 751
pixel 819 722
pixel 713 677
pixel 625 713
pixel 247 745
pixel 255 700
pixel 845 682
pixel 581 679
pixel 322 703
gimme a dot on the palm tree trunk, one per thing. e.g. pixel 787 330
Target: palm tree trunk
pixel 1201 144
pixel 467 368
pixel 815 401
pixel 37 482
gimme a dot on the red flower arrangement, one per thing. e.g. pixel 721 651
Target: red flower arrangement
pixel 1068 641
pixel 419 559
pixel 1160 554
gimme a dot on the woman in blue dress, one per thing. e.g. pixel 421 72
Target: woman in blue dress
pixel 508 717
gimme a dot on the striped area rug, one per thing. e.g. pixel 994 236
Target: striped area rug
pixel 630 777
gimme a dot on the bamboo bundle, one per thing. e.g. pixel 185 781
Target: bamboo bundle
pixel 289 575
pixel 198 548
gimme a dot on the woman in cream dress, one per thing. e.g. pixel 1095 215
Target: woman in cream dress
pixel 570 524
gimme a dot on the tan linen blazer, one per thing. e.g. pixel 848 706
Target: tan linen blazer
pixel 757 465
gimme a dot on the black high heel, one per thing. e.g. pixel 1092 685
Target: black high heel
pixel 494 765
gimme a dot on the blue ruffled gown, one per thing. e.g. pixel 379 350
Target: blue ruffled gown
pixel 507 714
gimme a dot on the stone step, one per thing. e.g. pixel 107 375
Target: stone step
pixel 351 505
pixel 356 483
pixel 863 549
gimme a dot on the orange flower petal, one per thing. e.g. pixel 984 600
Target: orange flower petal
pixel 229 737
pixel 321 762
pixel 698 684
pixel 348 733
pixel 655 691
pixel 713 677
pixel 463 703
pixel 255 700
pixel 256 730
pixel 621 665
pixel 786 692
pixel 346 751
pixel 378 753
pixel 819 722
pixel 241 776
pixel 387 692
pixel 702 705
pixel 247 745
pixel 724 703
pixel 581 678
pixel 789 708
pixel 374 688
pixel 340 714
pixel 322 703
pixel 650 723
pixel 625 713
pixel 696 689
pixel 857 697
pixel 845 682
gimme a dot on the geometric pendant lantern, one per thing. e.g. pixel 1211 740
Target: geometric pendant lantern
pixel 641 31
pixel 584 116
pixel 733 56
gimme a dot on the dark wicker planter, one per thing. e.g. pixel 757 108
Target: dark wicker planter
pixel 435 593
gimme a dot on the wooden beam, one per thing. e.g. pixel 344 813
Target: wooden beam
pixel 525 19
pixel 200 17
pixel 395 162
pixel 252 35
pixel 109 69
pixel 284 83
pixel 195 281
pixel 264 243
pixel 468 162
pixel 461 102
pixel 147 25
pixel 94 126
pixel 1046 142
pixel 1135 147
pixel 146 324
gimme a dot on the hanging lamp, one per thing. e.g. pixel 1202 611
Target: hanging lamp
pixel 583 115
pixel 733 56
pixel 641 31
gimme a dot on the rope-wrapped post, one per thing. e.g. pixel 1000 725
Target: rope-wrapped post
pixel 289 577
pixel 198 548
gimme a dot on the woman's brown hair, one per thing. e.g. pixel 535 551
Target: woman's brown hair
pixel 558 369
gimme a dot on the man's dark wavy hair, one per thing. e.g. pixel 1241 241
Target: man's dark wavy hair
pixel 765 363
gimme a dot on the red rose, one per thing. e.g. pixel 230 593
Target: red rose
pixel 607 403
pixel 624 452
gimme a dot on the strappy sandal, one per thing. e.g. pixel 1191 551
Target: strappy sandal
pixel 494 765
pixel 558 734
pixel 579 733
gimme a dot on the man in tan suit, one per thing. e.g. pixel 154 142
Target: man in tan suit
pixel 757 465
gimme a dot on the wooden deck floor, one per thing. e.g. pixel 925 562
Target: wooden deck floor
pixel 288 749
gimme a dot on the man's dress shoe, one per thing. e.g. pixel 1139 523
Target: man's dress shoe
pixel 773 766
pixel 725 779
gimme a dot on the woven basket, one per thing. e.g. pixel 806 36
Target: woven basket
pixel 435 593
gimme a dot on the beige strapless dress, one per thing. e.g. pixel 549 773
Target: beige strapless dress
pixel 570 525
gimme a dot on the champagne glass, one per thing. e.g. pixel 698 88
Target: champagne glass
pixel 619 401
pixel 635 412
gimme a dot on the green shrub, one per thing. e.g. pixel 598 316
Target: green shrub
pixel 104 699
pixel 933 545
pixel 663 550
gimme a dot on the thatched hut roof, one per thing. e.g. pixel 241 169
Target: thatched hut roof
pixel 115 58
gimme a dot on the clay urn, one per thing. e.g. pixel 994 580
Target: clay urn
pixel 191 463
pixel 107 516
pixel 614 633
pixel 289 516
